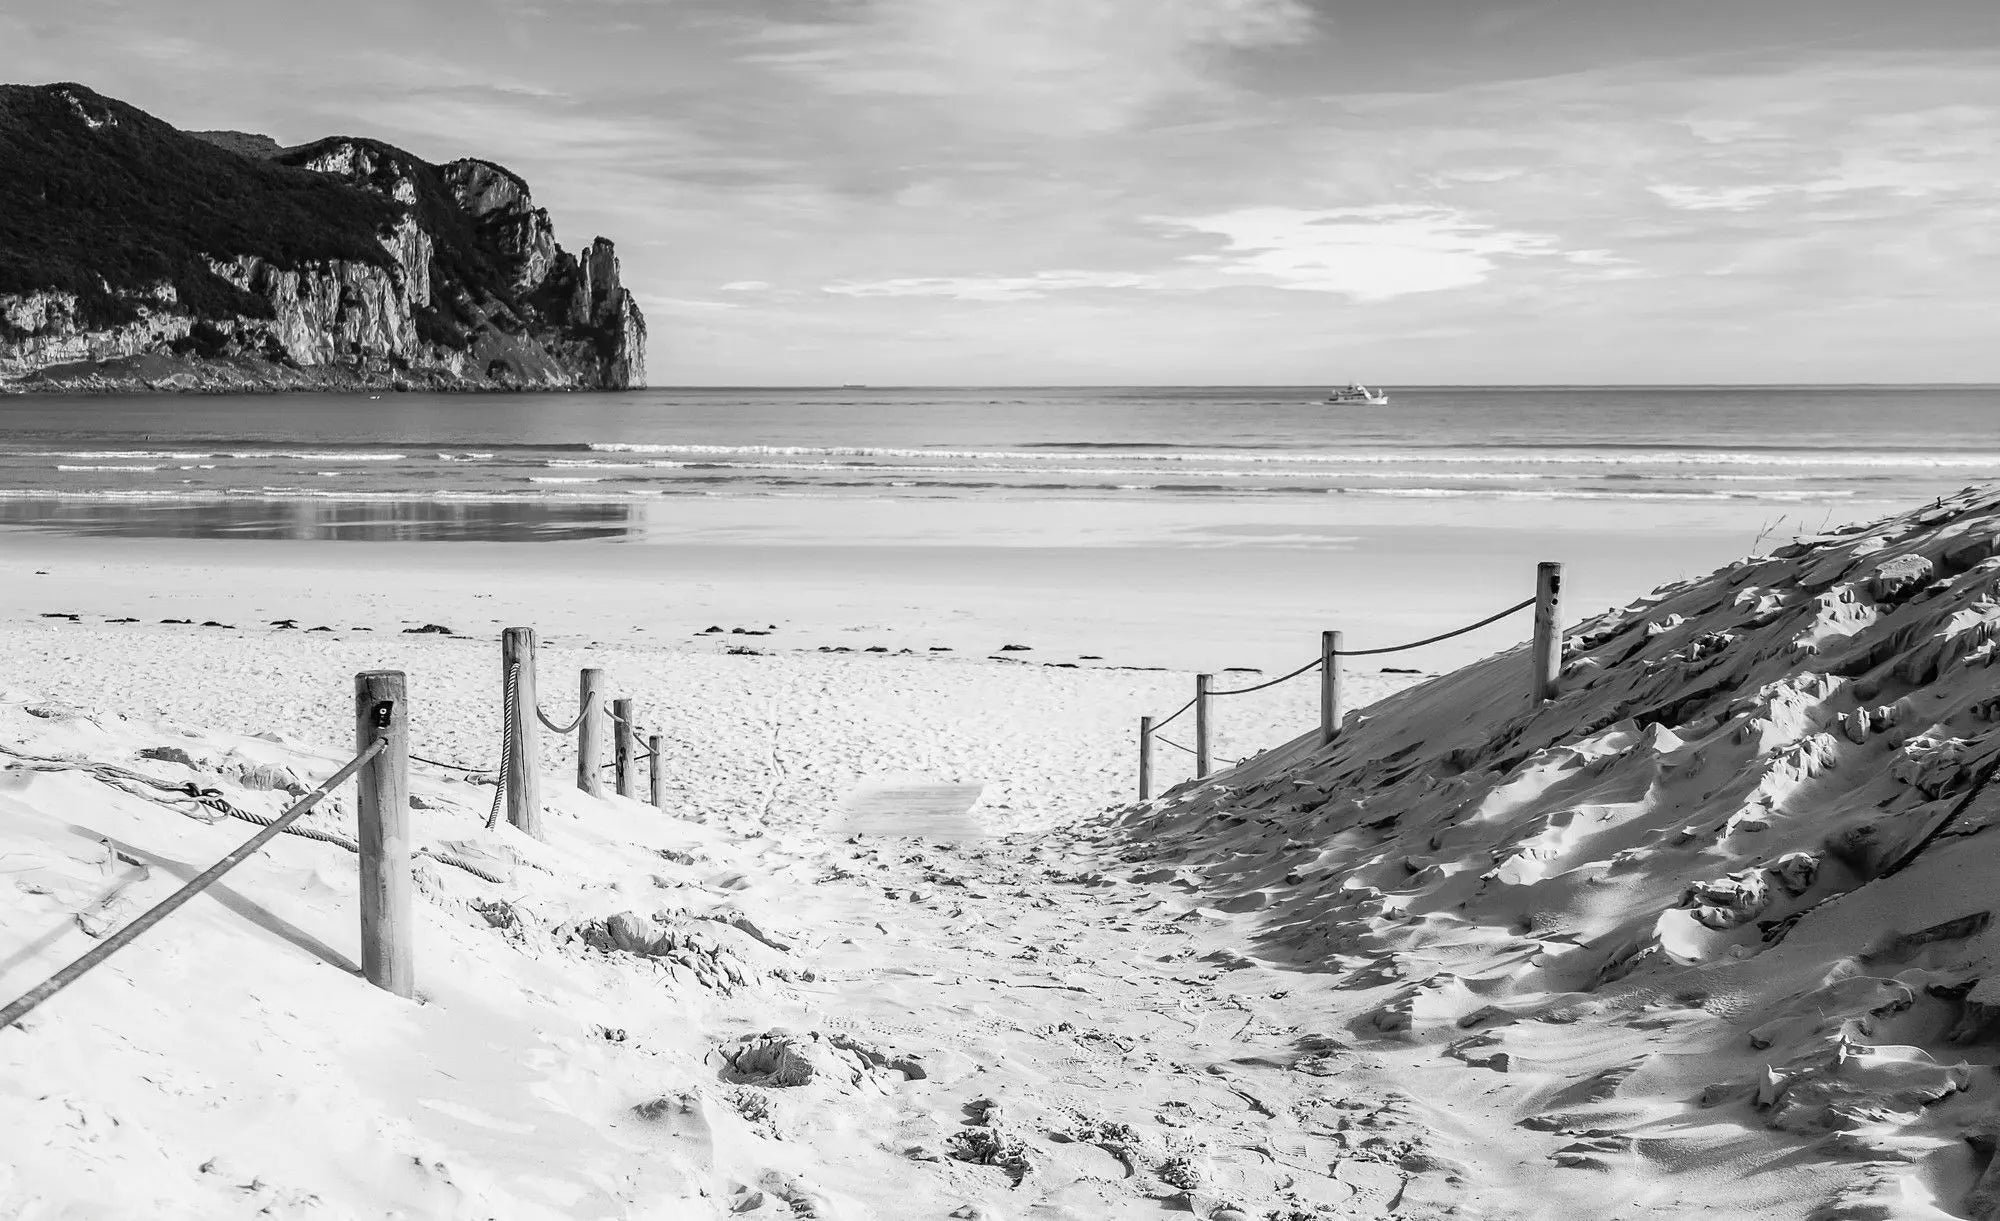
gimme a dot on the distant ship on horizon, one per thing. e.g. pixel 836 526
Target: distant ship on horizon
pixel 1355 392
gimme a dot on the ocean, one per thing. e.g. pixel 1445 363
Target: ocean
pixel 564 466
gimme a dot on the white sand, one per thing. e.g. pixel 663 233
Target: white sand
pixel 1255 998
pixel 234 1036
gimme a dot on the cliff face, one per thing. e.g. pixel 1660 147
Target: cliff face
pixel 135 255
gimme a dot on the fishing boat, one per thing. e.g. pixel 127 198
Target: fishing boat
pixel 1358 394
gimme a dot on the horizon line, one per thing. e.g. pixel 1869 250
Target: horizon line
pixel 1311 386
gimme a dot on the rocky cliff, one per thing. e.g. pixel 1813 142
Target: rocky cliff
pixel 134 255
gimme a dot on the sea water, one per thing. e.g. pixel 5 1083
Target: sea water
pixel 425 466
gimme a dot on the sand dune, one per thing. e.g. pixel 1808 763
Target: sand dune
pixel 1723 903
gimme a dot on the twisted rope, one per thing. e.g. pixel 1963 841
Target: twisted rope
pixel 462 863
pixel 454 767
pixel 1417 644
pixel 554 728
pixel 1179 747
pixel 510 700
pixel 324 837
pixel 21 1006
pixel 1159 725
pixel 215 801
pixel 1311 665
pixel 1315 663
pixel 208 805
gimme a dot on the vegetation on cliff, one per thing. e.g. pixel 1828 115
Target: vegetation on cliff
pixel 125 239
pixel 457 254
pixel 139 203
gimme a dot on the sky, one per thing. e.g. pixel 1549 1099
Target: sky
pixel 901 192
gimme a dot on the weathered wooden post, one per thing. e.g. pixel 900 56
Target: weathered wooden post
pixel 382 710
pixel 1548 651
pixel 521 733
pixel 623 735
pixel 1329 687
pixel 658 774
pixel 1201 724
pixel 590 732
pixel 1145 758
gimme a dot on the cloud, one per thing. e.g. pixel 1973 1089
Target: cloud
pixel 1366 253
pixel 659 306
pixel 1916 153
pixel 1056 66
pixel 1724 198
pixel 555 128
pixel 995 288
pixel 904 165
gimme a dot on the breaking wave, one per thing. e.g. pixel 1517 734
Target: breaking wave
pixel 1509 456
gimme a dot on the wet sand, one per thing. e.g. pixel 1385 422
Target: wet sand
pixel 1183 586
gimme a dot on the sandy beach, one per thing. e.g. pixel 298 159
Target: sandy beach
pixel 763 751
pixel 1229 1001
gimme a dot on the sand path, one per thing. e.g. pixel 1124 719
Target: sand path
pixel 1096 1043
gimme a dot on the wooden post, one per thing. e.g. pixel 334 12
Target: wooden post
pixel 623 736
pixel 657 773
pixel 1548 629
pixel 382 710
pixel 1329 687
pixel 1201 724
pixel 590 733
pixel 522 765
pixel 1145 758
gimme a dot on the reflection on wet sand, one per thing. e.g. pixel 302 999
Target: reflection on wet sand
pixel 403 521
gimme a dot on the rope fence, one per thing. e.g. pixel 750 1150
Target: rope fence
pixel 1314 664
pixel 1190 750
pixel 1546 657
pixel 1522 605
pixel 561 731
pixel 380 769
pixel 454 767
pixel 597 713
pixel 510 715
pixel 381 764
pixel 1183 708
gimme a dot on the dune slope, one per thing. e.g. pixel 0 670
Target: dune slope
pixel 1725 901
